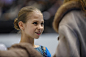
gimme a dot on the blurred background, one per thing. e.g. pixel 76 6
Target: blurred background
pixel 8 12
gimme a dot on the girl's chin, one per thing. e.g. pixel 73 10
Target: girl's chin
pixel 36 37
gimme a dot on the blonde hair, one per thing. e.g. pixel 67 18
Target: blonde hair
pixel 22 15
pixel 81 2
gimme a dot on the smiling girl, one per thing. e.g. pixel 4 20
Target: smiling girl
pixel 30 22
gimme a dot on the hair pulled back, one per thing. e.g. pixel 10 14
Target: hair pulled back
pixel 22 15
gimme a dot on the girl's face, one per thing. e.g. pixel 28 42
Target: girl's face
pixel 34 26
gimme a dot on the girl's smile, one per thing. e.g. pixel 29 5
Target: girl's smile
pixel 38 33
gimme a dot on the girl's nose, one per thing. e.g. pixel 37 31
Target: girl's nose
pixel 40 27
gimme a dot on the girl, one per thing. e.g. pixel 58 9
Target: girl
pixel 30 22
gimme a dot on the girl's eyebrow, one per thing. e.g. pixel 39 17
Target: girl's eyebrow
pixel 43 21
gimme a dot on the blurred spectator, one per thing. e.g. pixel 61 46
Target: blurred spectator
pixel 9 10
pixel 70 24
pixel 3 47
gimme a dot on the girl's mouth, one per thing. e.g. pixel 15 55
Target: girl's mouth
pixel 38 33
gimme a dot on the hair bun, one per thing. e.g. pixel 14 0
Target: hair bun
pixel 16 26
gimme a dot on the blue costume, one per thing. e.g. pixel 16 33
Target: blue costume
pixel 44 51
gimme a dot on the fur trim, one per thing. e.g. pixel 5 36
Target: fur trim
pixel 61 12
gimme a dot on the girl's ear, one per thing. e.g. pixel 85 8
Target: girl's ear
pixel 21 25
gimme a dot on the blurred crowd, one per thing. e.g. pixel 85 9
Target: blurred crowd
pixel 9 10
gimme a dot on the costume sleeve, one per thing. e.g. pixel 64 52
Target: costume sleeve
pixel 47 52
pixel 68 43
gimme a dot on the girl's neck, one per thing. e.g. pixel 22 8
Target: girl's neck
pixel 25 39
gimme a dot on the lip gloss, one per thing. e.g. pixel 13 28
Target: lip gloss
pixel 38 34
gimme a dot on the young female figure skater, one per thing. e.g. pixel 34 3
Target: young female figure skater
pixel 30 22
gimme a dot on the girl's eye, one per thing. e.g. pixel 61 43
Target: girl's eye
pixel 35 23
pixel 42 23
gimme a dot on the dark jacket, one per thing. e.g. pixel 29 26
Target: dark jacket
pixel 70 23
pixel 20 50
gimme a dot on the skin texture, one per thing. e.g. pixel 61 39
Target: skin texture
pixel 33 28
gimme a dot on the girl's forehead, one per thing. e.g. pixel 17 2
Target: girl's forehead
pixel 36 15
pixel 34 12
pixel 35 20
pixel 37 12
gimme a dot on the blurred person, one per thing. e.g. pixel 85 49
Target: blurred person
pixel 3 47
pixel 31 24
pixel 20 50
pixel 70 23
